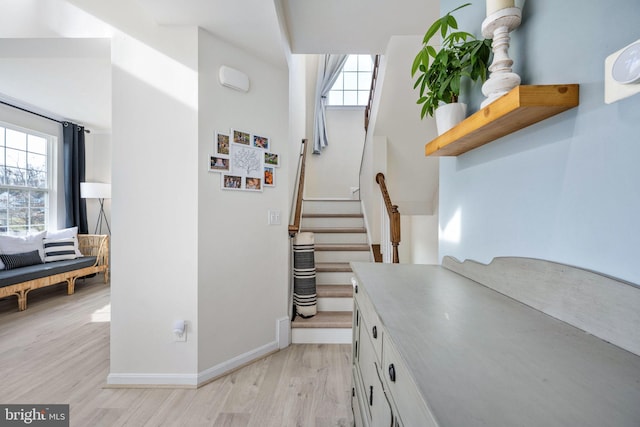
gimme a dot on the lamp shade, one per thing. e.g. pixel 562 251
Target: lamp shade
pixel 95 190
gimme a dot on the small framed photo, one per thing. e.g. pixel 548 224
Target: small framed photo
pixel 261 142
pixel 231 182
pixel 222 143
pixel 269 176
pixel 240 137
pixel 218 163
pixel 252 184
pixel 272 159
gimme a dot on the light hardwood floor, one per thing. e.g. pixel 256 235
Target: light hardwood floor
pixel 57 351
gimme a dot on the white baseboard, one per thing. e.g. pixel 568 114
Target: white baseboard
pixel 152 380
pixel 283 332
pixel 237 362
pixel 283 339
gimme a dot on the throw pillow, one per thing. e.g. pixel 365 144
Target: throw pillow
pixel 24 259
pixel 22 244
pixel 65 233
pixel 60 249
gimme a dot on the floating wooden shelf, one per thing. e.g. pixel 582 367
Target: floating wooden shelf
pixel 521 107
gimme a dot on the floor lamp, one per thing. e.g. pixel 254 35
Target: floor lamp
pixel 100 191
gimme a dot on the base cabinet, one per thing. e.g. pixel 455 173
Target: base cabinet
pixel 434 348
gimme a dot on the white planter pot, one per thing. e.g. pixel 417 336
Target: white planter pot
pixel 449 115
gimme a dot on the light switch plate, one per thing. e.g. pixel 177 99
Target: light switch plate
pixel 273 217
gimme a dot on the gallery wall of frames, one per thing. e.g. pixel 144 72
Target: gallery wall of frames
pixel 245 161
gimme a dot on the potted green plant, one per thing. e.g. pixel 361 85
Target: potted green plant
pixel 439 72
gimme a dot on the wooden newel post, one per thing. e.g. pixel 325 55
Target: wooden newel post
pixel 395 233
pixel 394 217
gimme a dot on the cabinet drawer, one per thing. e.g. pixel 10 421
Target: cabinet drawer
pixel 358 401
pixel 374 405
pixel 355 348
pixel 368 370
pixel 369 322
pixel 408 401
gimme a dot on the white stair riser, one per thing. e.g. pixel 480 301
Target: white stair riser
pixel 339 222
pixel 321 336
pixel 340 237
pixel 332 207
pixel 335 304
pixel 326 278
pixel 342 256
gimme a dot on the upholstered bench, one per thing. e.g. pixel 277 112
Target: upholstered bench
pixel 20 281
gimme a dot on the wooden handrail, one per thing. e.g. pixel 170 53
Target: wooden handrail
pixel 394 216
pixel 294 227
pixel 372 90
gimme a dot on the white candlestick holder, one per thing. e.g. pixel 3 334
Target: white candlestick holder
pixel 502 79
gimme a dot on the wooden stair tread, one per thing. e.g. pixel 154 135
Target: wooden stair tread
pixel 334 291
pixel 341 247
pixel 333 230
pixel 324 319
pixel 333 267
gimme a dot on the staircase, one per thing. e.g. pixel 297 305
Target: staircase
pixel 340 237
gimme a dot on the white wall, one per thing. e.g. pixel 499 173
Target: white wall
pixel 412 178
pixel 419 243
pixel 243 261
pixel 374 160
pixel 333 172
pixel 297 117
pixel 155 202
pixel 565 189
pixel 395 147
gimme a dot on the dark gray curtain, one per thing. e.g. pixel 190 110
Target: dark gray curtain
pixel 74 158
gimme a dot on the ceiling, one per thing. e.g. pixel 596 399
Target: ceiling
pixel 354 26
pixel 61 78
pixel 308 26
pixel 267 28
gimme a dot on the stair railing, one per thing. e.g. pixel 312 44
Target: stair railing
pixel 294 226
pixel 372 90
pixel 394 217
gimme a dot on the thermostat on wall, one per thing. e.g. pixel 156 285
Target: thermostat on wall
pixel 622 73
pixel 626 67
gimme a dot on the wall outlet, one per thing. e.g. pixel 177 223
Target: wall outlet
pixel 180 331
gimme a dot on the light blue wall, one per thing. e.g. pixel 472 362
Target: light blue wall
pixel 566 189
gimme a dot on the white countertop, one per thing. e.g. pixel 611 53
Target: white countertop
pixel 480 358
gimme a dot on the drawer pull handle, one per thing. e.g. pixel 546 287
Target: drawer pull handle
pixel 392 373
pixel 356 289
pixel 374 331
pixel 370 395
